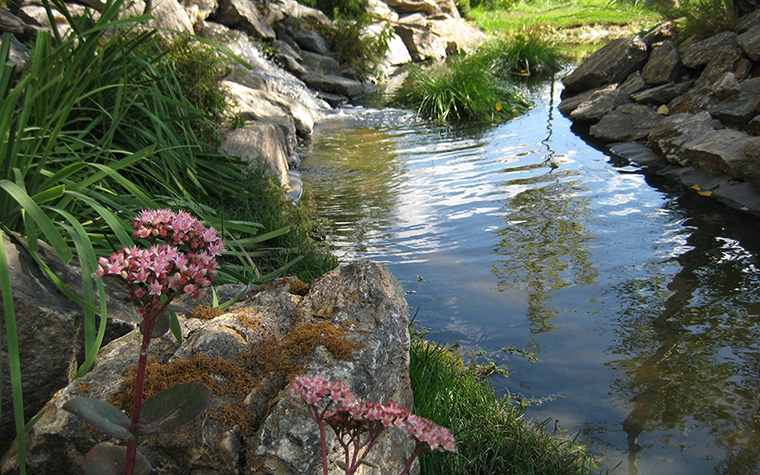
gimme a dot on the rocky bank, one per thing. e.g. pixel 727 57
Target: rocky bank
pixel 690 112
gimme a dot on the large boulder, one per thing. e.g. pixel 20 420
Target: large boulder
pixel 262 144
pixel 421 43
pixel 352 324
pixel 611 64
pixel 673 133
pixel 50 328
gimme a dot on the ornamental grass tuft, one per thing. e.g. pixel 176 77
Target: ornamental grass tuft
pixel 491 435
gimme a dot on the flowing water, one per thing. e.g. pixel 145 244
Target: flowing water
pixel 641 300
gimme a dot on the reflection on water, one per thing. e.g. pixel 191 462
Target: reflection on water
pixel 641 300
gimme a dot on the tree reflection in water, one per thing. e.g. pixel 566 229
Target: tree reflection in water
pixel 690 343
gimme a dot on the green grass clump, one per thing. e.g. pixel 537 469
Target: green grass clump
pixel 522 55
pixel 703 18
pixel 460 90
pixel 361 51
pixel 492 438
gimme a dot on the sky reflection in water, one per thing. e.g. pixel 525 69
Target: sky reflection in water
pixel 641 300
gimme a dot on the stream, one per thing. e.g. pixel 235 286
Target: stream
pixel 639 298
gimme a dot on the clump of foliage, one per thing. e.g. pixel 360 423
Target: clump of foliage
pixel 335 9
pixel 702 18
pixel 357 47
pixel 491 435
pixel 521 55
pixel 460 90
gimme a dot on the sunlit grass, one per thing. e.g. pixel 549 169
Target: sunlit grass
pixel 562 15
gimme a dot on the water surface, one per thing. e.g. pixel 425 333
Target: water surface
pixel 639 298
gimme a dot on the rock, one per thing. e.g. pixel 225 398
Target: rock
pixel 428 7
pixel 634 83
pixel 753 127
pixel 320 64
pixel 726 86
pixel 421 43
pixel 611 64
pixel 729 60
pixel 661 94
pixel 663 66
pixel 458 35
pixel 261 144
pixel 750 42
pixel 397 53
pixel 721 151
pixel 168 16
pixel 380 10
pixel 569 104
pixel 343 86
pixel 352 324
pixel 702 52
pixel 303 15
pixel 18 54
pixel 672 133
pixel 199 10
pixel 46 318
pixel 243 15
pixel 10 23
pixel 599 104
pixel 748 21
pixel 737 110
pixel 629 122
pixel 310 40
pixel 693 101
pixel 750 167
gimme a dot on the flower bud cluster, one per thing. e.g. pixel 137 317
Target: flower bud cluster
pixel 180 229
pixel 354 418
pixel 165 269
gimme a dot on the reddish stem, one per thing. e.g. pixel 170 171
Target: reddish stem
pixel 149 321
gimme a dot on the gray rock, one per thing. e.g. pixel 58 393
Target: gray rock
pixel 664 65
pixel 279 436
pixel 320 64
pixel 729 60
pixel 661 94
pixel 663 32
pixel 750 167
pixel 199 10
pixel 310 40
pixel 672 133
pixel 702 52
pixel 748 21
pixel 18 54
pixel 726 86
pixel 569 104
pixel 693 101
pixel 380 10
pixel 611 64
pixel 303 15
pixel 262 144
pixel 245 16
pixel 629 122
pixel 49 328
pixel 599 104
pixel 343 86
pixel 720 151
pixel 10 23
pixel 458 35
pixel 736 111
pixel 283 47
pixel 428 7
pixel 634 83
pixel 750 42
pixel 753 127
pixel 421 43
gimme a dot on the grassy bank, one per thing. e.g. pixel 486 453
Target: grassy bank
pixel 491 435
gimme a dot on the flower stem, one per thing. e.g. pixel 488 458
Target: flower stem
pixel 142 364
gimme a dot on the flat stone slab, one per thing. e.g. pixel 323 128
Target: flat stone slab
pixel 736 194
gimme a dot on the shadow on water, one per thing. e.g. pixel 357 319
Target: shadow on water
pixel 641 298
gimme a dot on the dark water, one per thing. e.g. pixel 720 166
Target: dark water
pixel 640 299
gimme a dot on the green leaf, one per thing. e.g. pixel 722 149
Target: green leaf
pixel 173 408
pixel 104 416
pixel 161 327
pixel 175 327
pixel 45 224
pixel 109 459
pixel 14 363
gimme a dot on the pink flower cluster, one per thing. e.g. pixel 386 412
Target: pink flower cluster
pixel 165 269
pixel 350 420
pixel 180 229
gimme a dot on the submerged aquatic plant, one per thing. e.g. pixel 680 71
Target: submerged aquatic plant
pixel 184 264
pixel 358 425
